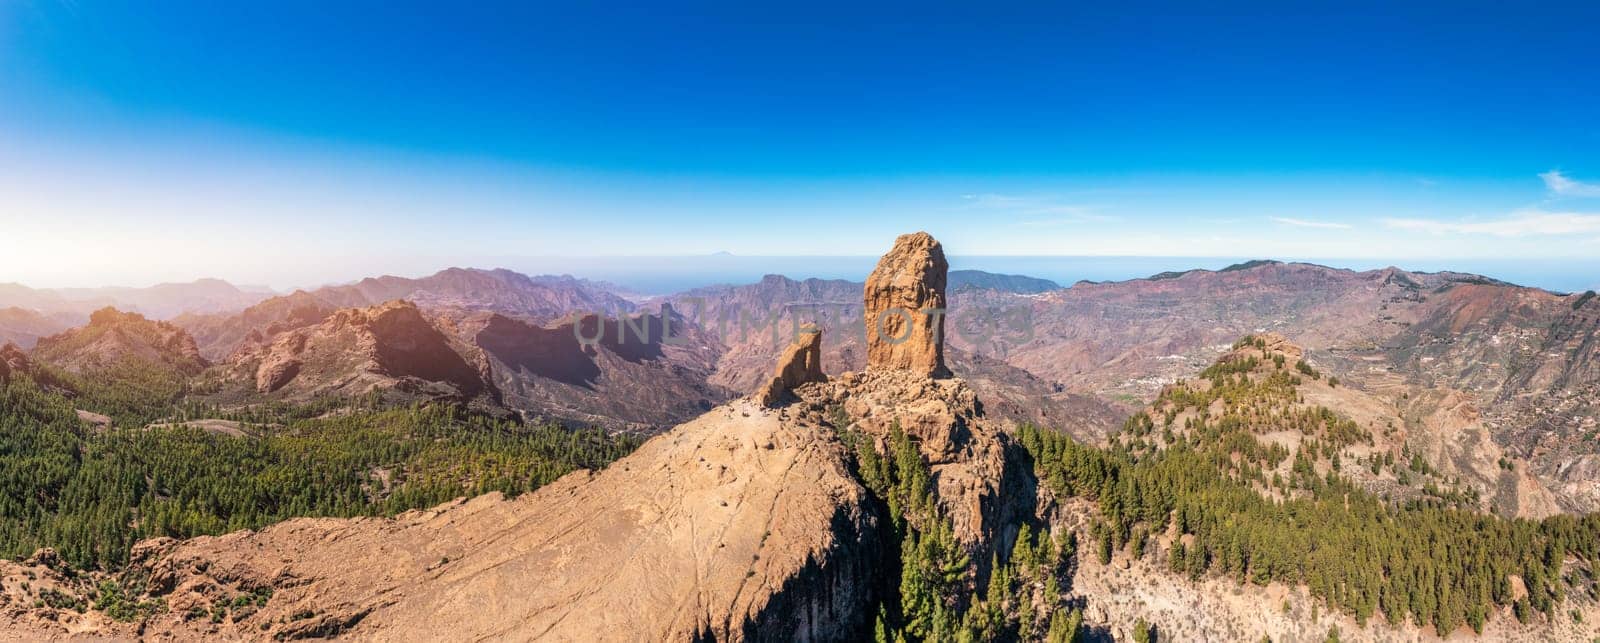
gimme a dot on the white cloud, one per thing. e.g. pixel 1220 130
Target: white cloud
pixel 1520 224
pixel 1303 223
pixel 1563 185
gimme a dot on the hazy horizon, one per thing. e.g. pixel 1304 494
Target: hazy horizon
pixel 668 274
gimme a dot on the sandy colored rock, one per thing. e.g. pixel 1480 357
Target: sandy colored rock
pixel 801 363
pixel 742 524
pixel 905 304
pixel 978 486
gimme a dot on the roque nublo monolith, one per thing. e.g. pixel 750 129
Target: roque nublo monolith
pixel 905 306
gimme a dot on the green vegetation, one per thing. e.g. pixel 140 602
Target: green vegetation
pixel 1583 299
pixel 1421 560
pixel 934 599
pixel 1212 479
pixel 91 493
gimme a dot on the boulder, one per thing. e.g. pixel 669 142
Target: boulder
pixel 905 306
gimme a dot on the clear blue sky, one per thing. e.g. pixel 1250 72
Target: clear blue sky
pixel 296 142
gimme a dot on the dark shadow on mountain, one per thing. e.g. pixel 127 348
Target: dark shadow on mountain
pixel 552 353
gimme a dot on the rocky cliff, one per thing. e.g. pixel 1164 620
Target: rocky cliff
pixel 638 382
pixel 354 351
pixel 905 307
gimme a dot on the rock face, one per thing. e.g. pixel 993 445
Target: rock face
pixel 801 364
pixel 354 351
pixel 905 304
pixel 633 386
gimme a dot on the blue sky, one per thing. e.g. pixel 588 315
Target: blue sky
pixel 294 142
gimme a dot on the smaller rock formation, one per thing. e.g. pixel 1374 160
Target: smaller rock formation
pixel 13 360
pixel 801 364
pixel 905 306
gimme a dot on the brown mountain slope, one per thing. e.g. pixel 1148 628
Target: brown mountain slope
pixel 114 338
pixel 1521 359
pixel 391 347
pixel 1370 439
pixel 218 335
pixel 734 522
pixel 540 298
pixel 537 299
pixel 637 384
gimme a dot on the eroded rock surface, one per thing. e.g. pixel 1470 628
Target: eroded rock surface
pixel 905 303
pixel 801 363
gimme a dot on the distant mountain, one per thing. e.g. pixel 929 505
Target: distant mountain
pixel 635 383
pixel 754 322
pixel 537 299
pixel 503 291
pixel 219 335
pixel 1526 359
pixel 115 339
pixel 978 279
pixel 24 327
pixel 161 301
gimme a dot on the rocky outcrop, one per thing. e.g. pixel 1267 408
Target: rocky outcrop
pixel 905 306
pixel 114 337
pixel 354 351
pixel 13 360
pixel 801 364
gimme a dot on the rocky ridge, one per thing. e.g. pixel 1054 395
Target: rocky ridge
pixel 354 351
pixel 114 338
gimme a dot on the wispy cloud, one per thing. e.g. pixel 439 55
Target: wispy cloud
pixel 1564 185
pixel 1040 211
pixel 1304 223
pixel 1520 224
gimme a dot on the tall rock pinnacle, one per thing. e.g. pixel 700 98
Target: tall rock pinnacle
pixel 905 306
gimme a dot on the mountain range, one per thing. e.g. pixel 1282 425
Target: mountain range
pixel 1213 441
pixel 1417 393
pixel 1453 352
